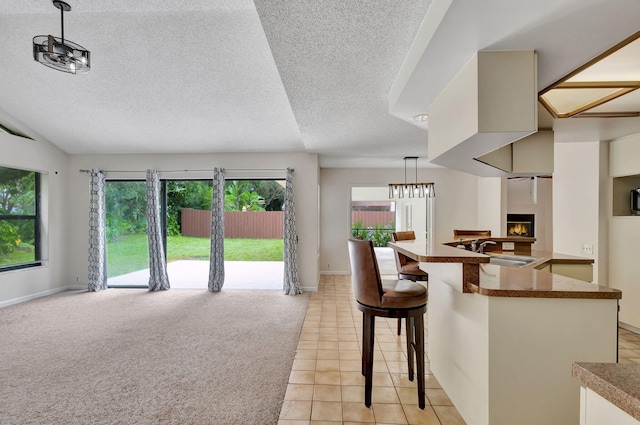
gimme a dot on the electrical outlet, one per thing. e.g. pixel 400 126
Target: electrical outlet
pixel 508 246
pixel 587 249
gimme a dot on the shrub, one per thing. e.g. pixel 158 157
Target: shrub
pixel 379 234
pixel 381 237
pixel 358 231
pixel 9 238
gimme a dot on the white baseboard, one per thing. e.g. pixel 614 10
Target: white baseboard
pixel 629 328
pixel 36 295
pixel 337 273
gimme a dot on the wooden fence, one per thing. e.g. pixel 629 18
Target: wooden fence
pixel 373 218
pixel 242 225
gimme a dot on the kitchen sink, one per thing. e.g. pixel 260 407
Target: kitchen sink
pixel 512 260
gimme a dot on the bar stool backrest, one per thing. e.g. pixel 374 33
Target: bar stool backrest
pixel 365 274
pixel 402 259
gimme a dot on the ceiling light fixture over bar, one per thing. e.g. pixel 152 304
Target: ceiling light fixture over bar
pixel 410 190
pixel 61 54
pixel 603 87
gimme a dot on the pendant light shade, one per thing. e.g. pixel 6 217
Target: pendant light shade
pixel 61 54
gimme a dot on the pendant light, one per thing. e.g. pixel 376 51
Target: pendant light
pixel 411 190
pixel 58 53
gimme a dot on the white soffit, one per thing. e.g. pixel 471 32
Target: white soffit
pixel 490 103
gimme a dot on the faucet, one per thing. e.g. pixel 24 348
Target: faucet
pixel 480 248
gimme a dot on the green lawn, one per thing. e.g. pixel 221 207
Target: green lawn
pixel 130 253
pixel 18 256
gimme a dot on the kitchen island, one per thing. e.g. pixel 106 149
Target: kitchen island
pixel 502 340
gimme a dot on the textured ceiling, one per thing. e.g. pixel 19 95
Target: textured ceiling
pixel 215 76
pixel 337 60
pixel 318 76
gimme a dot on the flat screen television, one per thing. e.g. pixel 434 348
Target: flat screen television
pixel 635 201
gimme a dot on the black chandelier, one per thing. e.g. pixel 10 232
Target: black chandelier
pixel 58 53
pixel 411 190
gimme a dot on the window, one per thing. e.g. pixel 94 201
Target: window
pixel 19 218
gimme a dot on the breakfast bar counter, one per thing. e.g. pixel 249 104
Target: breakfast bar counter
pixel 502 340
pixel 610 392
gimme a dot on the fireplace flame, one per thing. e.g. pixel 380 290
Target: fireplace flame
pixel 519 230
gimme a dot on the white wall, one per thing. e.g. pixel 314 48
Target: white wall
pixel 305 180
pixel 576 200
pixel 24 284
pixel 533 196
pixel 604 212
pixel 455 206
pixel 492 205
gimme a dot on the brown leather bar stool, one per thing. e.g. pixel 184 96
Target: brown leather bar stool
pixel 399 299
pixel 407 268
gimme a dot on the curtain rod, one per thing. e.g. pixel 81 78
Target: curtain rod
pixel 193 171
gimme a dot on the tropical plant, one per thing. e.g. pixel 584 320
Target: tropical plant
pixel 195 194
pixel 381 237
pixel 358 230
pixel 379 234
pixel 241 194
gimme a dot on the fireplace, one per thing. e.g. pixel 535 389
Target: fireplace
pixel 521 225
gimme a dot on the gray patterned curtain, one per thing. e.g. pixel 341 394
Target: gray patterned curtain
pixel 158 277
pixel 216 261
pixel 97 234
pixel 291 284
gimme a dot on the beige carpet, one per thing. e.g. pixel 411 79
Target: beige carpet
pixel 127 356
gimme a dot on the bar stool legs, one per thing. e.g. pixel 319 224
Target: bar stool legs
pixel 410 346
pixel 419 349
pixel 415 351
pixel 368 338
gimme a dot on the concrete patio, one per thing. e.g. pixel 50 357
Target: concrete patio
pixel 193 274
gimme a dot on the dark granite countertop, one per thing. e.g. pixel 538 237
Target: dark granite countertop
pixel 615 382
pixel 503 281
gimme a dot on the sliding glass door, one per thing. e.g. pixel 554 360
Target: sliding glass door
pixel 127 247
pixel 254 226
pixel 188 230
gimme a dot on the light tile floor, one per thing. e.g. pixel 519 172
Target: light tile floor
pixel 628 346
pixel 327 388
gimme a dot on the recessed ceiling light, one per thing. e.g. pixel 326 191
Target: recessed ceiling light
pixel 421 118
